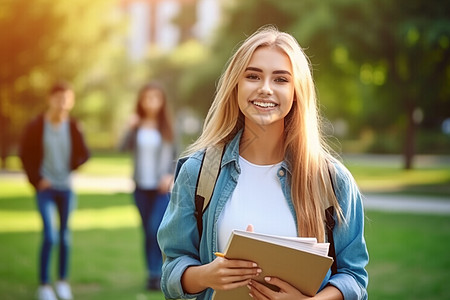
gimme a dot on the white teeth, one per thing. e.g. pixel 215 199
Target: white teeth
pixel 264 104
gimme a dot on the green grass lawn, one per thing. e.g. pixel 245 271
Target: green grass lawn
pixel 107 255
pixel 408 256
pixel 408 252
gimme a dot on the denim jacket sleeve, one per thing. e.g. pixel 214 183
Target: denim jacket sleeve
pixel 178 236
pixel 351 251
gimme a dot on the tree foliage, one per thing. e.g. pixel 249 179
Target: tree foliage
pixel 378 64
pixel 43 41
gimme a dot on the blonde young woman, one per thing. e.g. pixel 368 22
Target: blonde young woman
pixel 265 113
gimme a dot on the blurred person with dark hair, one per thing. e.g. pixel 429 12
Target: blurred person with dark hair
pixel 151 139
pixel 52 147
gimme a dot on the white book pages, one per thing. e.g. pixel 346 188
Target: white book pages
pixel 305 244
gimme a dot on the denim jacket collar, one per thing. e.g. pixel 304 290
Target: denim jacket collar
pixel 232 154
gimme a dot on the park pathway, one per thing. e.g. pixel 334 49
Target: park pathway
pixel 379 202
pixel 407 203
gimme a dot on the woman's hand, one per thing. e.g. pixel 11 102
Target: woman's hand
pixel 287 292
pixel 220 274
pixel 227 274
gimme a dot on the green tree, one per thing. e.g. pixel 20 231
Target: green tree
pixel 378 63
pixel 401 53
pixel 404 55
pixel 43 41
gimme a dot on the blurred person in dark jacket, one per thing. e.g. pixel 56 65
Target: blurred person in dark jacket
pixel 52 147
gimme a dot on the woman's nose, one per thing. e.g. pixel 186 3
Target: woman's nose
pixel 265 88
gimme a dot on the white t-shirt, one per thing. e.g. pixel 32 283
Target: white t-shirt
pixel 258 200
pixel 148 143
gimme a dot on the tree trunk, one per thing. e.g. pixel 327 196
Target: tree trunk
pixel 409 147
pixel 6 125
pixel 4 144
pixel 4 141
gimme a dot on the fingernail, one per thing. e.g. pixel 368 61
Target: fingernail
pixel 249 287
pixel 258 271
pixel 255 265
pixel 250 294
pixel 267 279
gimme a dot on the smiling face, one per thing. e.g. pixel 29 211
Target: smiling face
pixel 266 88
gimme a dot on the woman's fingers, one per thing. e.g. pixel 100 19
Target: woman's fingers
pixel 233 285
pixel 283 285
pixel 237 267
pixel 237 263
pixel 229 273
pixel 260 291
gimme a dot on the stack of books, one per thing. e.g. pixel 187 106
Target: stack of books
pixel 302 262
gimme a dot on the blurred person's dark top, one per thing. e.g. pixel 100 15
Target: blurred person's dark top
pixel 32 148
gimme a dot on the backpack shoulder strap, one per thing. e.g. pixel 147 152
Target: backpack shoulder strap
pixel 329 218
pixel 207 178
pixel 332 175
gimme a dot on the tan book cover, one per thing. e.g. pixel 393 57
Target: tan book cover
pixel 278 257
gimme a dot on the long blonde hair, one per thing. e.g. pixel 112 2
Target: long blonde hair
pixel 304 148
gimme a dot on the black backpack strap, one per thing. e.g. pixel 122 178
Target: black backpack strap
pixel 207 178
pixel 330 223
pixel 329 214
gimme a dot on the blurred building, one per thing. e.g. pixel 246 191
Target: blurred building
pixel 166 23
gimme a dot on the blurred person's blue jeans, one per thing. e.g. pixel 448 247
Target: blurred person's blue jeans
pixel 151 206
pixel 49 202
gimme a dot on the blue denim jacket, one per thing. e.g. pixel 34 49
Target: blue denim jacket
pixel 180 242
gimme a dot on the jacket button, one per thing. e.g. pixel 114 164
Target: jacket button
pixel 281 173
